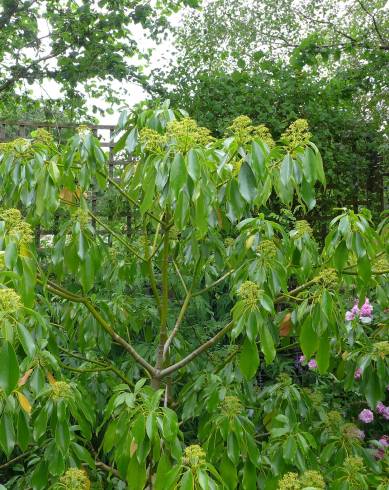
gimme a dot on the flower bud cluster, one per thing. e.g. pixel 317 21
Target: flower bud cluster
pixel 185 134
pixel 81 216
pixel 152 140
pixel 75 479
pixel 10 301
pixel 250 293
pixel 41 135
pixel 245 132
pixel 301 228
pixel 381 348
pixel 328 278
pixel 231 406
pixel 310 478
pixel 194 456
pixel 296 135
pixel 354 464
pixel 15 225
pixel 351 431
pixel 20 147
pixel 267 249
pixel 61 389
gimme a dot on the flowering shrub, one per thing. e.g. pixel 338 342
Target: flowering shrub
pixel 188 338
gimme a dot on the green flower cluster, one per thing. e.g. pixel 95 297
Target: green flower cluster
pixel 250 293
pixel 297 135
pixel 245 132
pixel 354 464
pixel 229 242
pixel 41 135
pixel 231 406
pixel 81 216
pixel 20 147
pixel 151 140
pixel 312 478
pixel 75 479
pixel 61 389
pixel 328 278
pixel 290 481
pixel 309 479
pixel 334 419
pixel 267 249
pixel 194 456
pixel 301 228
pixel 83 129
pixel 314 396
pixel 381 348
pixel 381 264
pixel 10 301
pixel 15 226
pixel 186 134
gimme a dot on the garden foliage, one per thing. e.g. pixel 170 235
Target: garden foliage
pixel 212 344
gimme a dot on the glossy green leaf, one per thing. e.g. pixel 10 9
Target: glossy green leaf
pixel 9 368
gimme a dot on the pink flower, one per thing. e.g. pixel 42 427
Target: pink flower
pixel 366 416
pixel 366 309
pixel 358 373
pixel 386 413
pixel 380 408
pixel 355 309
pixel 349 316
pixel 301 359
pixel 384 440
pixel 312 364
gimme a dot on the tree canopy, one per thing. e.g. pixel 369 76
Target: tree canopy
pixel 79 45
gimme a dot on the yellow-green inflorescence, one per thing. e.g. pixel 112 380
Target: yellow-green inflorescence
pixel 81 216
pixel 243 129
pixel 83 129
pixel 381 265
pixel 231 406
pixel 301 228
pixel 309 479
pixel 328 278
pixel 61 389
pixel 250 293
pixel 381 348
pixel 185 134
pixel 10 301
pixel 75 479
pixel 334 419
pixel 152 141
pixel 351 431
pixel 353 464
pixel 267 249
pixel 16 226
pixel 312 478
pixel 290 481
pixel 41 135
pixel 19 147
pixel 297 135
pixel 194 456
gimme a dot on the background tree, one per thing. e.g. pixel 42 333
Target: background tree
pixel 83 45
pixel 324 61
